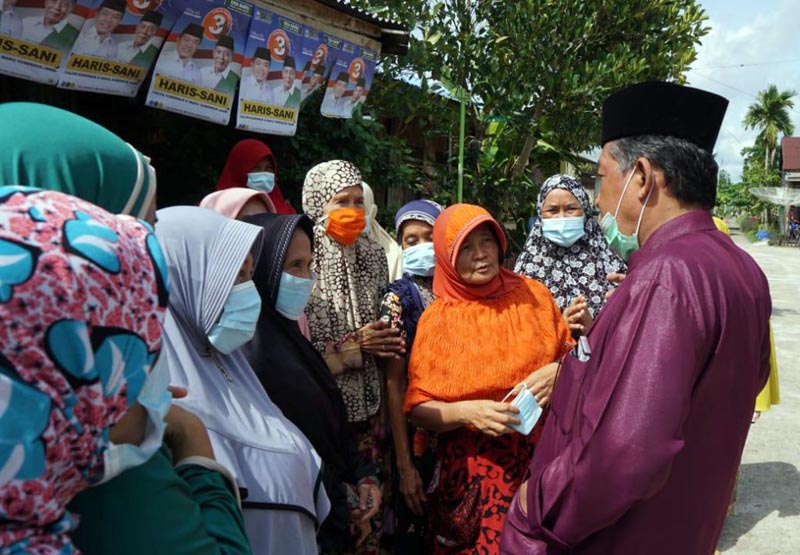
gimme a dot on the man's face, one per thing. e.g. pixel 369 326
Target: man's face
pixel 287 74
pixel 316 79
pixel 144 32
pixel 188 45
pixel 358 92
pixel 55 11
pixel 339 88
pixel 260 69
pixel 612 181
pixel 222 58
pixel 106 20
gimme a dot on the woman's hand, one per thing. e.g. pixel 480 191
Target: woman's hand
pixel 186 435
pixel 411 487
pixel 378 339
pixel 616 279
pixel 577 315
pixel 489 417
pixel 541 383
pixel 369 502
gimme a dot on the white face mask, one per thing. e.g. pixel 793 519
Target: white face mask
pixel 156 400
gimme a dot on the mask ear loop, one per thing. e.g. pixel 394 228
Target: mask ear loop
pixel 520 386
pixel 624 189
pixel 641 214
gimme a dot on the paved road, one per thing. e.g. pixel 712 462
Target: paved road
pixel 767 517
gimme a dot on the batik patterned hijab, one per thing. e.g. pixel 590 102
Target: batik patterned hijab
pixel 348 292
pixel 82 299
pixel 576 270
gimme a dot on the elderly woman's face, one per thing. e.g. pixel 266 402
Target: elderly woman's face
pixel 246 271
pixel 478 259
pixel 299 256
pixel 349 197
pixel 415 232
pixel 560 203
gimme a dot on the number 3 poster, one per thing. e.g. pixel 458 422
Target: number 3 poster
pixel 198 70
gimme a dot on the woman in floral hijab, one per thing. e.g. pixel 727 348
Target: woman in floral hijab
pixel 82 299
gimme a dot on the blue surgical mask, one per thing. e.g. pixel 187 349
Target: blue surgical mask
pixel 156 400
pixel 419 260
pixel 237 325
pixel 261 181
pixel 623 245
pixel 564 232
pixel 293 295
pixel 529 409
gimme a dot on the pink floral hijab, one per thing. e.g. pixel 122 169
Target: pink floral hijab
pixel 82 299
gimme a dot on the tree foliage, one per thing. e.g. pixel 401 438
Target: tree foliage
pixel 770 115
pixel 542 67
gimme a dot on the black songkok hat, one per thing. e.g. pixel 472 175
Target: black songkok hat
pixel 193 29
pixel 665 109
pixel 343 76
pixel 116 5
pixel 262 53
pixel 226 41
pixel 288 61
pixel 152 17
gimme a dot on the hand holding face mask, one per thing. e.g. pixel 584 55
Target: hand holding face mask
pixel 529 409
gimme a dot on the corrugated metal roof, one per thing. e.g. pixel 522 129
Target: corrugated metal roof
pixel 791 153
pixel 344 6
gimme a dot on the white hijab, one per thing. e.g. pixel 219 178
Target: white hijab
pixel 394 254
pixel 267 454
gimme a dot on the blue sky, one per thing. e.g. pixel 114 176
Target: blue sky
pixel 764 35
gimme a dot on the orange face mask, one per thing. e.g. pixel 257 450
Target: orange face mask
pixel 346 224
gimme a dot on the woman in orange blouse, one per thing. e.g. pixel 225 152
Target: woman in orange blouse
pixel 488 331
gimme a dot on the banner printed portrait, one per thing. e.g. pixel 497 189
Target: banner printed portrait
pixel 361 72
pixel 337 102
pixel 200 64
pixel 117 46
pixel 321 49
pixel 270 95
pixel 37 35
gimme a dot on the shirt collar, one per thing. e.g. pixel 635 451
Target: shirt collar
pixel 58 27
pixel 695 220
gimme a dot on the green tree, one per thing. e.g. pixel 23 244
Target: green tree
pixel 543 67
pixel 770 114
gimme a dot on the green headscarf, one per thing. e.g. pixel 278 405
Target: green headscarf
pixel 53 149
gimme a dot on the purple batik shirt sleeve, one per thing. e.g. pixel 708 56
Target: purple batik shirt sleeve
pixel 628 418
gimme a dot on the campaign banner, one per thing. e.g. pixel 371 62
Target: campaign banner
pixel 37 35
pixel 321 49
pixel 117 46
pixel 270 95
pixel 361 72
pixel 338 92
pixel 200 63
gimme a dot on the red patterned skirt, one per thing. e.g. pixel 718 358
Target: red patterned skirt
pixel 475 480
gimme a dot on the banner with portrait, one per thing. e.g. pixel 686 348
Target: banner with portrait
pixel 198 70
pixel 117 46
pixel 271 91
pixel 338 91
pixel 37 35
pixel 321 49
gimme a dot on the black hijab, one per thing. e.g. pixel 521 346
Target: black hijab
pixel 291 370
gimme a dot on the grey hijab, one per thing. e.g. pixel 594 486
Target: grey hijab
pixel 267 454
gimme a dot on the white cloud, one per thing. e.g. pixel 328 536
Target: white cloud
pixel 746 32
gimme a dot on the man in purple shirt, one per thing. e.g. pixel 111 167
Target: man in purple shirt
pixel 650 412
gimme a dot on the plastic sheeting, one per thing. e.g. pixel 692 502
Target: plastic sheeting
pixel 782 196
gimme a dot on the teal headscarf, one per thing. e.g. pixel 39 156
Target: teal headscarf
pixel 53 149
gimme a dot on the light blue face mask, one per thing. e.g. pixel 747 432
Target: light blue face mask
pixel 261 181
pixel 237 325
pixel 156 400
pixel 623 245
pixel 564 232
pixel 529 409
pixel 293 295
pixel 419 260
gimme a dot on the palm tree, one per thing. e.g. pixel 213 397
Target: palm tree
pixel 770 114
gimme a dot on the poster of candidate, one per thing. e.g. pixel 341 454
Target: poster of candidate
pixel 339 90
pixel 270 95
pixel 117 46
pixel 361 71
pixel 321 49
pixel 37 35
pixel 199 66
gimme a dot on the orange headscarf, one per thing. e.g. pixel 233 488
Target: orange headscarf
pixel 451 229
pixel 479 342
